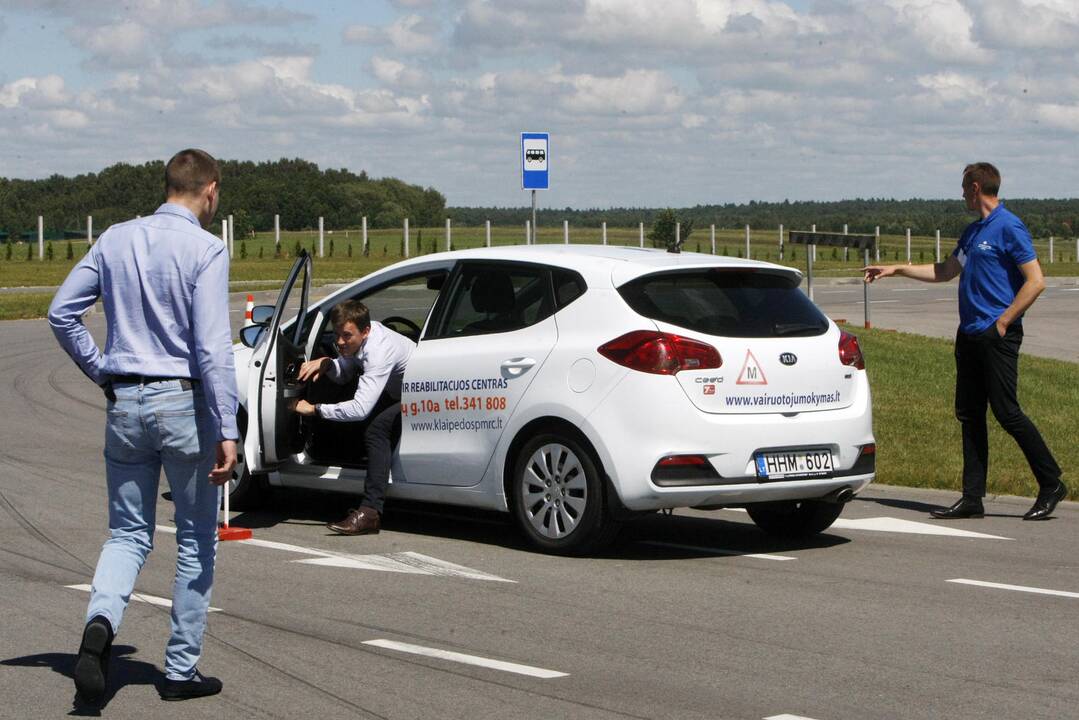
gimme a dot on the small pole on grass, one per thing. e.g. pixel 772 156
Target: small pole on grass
pixel 846 248
pixel 225 231
pixel 364 226
pixel 487 232
pixel 321 235
pixel 780 241
pixel 749 253
pixel 938 246
pixel 40 237
pixel 89 230
pixel 276 233
pixel 813 254
pixel 908 246
pixel 604 232
pixel 449 237
pixel 528 232
pixel 641 228
pixel 865 293
pixel 565 232
pixel 678 236
pixel 877 242
pixel 1050 248
pixel 406 238
pixel 232 238
pixel 713 238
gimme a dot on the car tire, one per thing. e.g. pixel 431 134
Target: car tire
pixel 794 518
pixel 246 491
pixel 558 496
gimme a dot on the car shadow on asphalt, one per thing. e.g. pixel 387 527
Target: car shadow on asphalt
pixel 123 671
pixel 649 537
pixel 926 508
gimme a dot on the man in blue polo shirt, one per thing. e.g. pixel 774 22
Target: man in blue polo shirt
pixel 1000 279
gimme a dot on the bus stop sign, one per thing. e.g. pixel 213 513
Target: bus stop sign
pixel 535 153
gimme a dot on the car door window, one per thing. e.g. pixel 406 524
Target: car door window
pixel 493 298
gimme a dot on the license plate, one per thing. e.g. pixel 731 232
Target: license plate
pixel 786 464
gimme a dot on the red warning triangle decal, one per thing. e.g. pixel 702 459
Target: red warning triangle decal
pixel 751 371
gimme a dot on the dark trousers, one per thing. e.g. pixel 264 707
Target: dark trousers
pixel 987 372
pixel 379 438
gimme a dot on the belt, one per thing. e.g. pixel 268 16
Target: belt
pixel 185 383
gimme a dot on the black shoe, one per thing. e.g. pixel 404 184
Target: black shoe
pixel 198 686
pixel 1047 503
pixel 92 664
pixel 964 508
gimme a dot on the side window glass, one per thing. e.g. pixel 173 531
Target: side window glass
pixel 496 298
pixel 568 286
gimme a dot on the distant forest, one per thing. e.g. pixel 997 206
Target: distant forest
pixel 252 193
pixel 923 217
pixel 300 192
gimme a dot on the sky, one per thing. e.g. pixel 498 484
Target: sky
pixel 648 103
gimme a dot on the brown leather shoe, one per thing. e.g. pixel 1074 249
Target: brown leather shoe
pixel 364 521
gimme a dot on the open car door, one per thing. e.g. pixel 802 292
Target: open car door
pixel 273 431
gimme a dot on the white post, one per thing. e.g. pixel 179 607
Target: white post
pixel 780 241
pixel 641 227
pixel 232 238
pixel 449 236
pixel 487 227
pixel 713 238
pixel 1050 248
pixel 321 236
pixel 565 231
pixel 276 232
pixel 604 232
pixel 908 246
pixel 364 226
pixel 846 250
pixel 40 237
pixel 813 248
pixel 749 252
pixel 938 246
pixel 225 231
pixel 877 234
pixel 406 237
pixel 528 232
pixel 678 236
pixel 89 230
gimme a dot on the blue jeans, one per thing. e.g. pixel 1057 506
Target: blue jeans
pixel 150 427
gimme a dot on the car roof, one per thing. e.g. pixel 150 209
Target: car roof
pixel 612 263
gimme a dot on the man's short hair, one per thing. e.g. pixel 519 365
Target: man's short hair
pixel 352 311
pixel 189 171
pixel 983 173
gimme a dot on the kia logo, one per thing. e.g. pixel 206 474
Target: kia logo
pixel 788 358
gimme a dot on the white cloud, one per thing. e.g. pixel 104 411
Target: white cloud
pixel 395 73
pixel 1028 24
pixel 411 34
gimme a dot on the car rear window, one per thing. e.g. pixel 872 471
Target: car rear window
pixel 731 303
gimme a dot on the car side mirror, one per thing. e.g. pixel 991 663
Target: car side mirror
pixel 435 282
pixel 261 314
pixel 251 334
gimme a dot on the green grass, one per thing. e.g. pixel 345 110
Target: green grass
pixel 385 248
pixel 912 379
pixel 24 306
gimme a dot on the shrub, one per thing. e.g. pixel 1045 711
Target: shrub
pixel 70 254
pixel 48 251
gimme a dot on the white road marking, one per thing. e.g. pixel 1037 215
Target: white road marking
pixel 1066 289
pixel 890 524
pixel 716 551
pixel 141 597
pixel 1017 588
pixel 787 716
pixel 467 659
pixel 835 292
pixel 412 563
pixel 907 290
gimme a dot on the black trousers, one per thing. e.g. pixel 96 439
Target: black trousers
pixel 379 439
pixel 987 373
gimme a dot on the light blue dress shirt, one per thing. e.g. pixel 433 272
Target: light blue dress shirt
pixel 163 281
pixel 381 362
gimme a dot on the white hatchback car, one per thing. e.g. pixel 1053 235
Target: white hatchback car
pixel 576 386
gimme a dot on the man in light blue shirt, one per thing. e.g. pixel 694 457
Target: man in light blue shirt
pixel 167 372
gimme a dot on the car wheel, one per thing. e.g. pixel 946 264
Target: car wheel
pixel 246 491
pixel 558 496
pixel 794 518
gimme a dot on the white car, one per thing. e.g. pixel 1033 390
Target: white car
pixel 575 387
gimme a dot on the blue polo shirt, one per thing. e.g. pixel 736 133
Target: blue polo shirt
pixel 991 251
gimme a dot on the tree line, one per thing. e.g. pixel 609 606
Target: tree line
pixel 1058 217
pixel 300 192
pixel 252 193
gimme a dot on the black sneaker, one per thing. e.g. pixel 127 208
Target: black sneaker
pixel 92 664
pixel 198 686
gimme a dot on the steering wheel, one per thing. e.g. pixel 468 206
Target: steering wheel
pixel 413 329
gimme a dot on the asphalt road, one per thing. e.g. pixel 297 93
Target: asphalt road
pixel 695 615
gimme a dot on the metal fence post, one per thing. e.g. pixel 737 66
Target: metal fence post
pixel 565 231
pixel 938 246
pixel 225 231
pixel 604 232
pixel 89 230
pixel 813 252
pixel 232 238
pixel 1050 248
pixel 846 248
pixel 678 235
pixel 641 227
pixel 364 230
pixel 528 232
pixel 449 236
pixel 749 252
pixel 40 237
pixel 487 232
pixel 908 246
pixel 877 233
pixel 713 238
pixel 321 236
pixel 406 238
pixel 276 232
pixel 780 241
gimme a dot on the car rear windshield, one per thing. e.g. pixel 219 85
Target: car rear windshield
pixel 731 303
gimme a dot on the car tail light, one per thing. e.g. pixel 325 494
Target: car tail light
pixel 660 353
pixel 683 461
pixel 675 470
pixel 849 352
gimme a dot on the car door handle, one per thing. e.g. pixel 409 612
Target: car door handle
pixel 515 367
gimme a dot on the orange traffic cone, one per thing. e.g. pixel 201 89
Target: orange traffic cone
pixel 248 319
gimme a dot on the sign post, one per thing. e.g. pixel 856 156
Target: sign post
pixel 535 153
pixel 862 242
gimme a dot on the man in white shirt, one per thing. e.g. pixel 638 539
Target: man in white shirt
pixel 379 356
